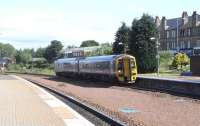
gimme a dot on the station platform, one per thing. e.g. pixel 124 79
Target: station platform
pixel 25 104
pixel 190 79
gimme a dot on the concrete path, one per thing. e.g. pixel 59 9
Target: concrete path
pixel 25 104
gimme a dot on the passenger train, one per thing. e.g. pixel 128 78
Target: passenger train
pixel 121 68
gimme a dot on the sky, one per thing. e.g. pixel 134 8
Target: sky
pixel 34 23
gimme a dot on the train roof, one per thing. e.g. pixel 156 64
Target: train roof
pixel 67 59
pixel 107 57
pixel 104 58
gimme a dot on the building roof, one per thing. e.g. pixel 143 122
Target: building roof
pixel 172 23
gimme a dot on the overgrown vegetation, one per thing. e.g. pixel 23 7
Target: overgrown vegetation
pixel 21 68
pixel 30 61
pixel 166 58
pixel 180 61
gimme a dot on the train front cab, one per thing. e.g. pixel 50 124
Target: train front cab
pixel 126 69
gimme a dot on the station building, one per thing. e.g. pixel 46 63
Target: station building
pixel 82 51
pixel 179 33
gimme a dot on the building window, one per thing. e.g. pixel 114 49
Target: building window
pixel 188 44
pixel 199 31
pixel 167 34
pixel 189 32
pixel 182 44
pixel 198 43
pixel 174 44
pixel 173 34
pixel 167 45
pixel 184 32
pixel 181 33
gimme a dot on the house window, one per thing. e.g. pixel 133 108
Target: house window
pixel 174 44
pixel 189 32
pixel 198 43
pixel 188 44
pixel 173 34
pixel 185 32
pixel 167 34
pixel 181 32
pixel 167 45
pixel 182 45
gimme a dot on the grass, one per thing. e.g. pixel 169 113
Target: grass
pixel 22 69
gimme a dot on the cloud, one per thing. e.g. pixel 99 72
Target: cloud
pixel 33 26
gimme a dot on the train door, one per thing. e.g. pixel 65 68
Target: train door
pixel 120 69
pixel 126 69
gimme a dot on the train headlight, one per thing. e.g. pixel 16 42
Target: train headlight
pixel 119 71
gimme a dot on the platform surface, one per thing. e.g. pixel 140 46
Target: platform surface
pixel 25 104
pixel 190 79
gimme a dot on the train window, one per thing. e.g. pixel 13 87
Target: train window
pixel 98 65
pixel 132 64
pixel 85 66
pixel 66 65
pixel 105 65
pixel 120 65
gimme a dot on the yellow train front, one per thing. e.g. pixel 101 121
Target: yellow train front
pixel 120 68
pixel 126 68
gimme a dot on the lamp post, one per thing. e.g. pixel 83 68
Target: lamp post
pixel 121 44
pixel 157 51
pixel 125 47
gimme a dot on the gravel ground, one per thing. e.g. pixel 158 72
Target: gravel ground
pixel 152 108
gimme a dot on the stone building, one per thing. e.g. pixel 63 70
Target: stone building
pixel 186 27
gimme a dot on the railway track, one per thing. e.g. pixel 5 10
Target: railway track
pixel 93 115
pixel 175 88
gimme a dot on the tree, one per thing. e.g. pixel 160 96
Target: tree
pixel 140 44
pixel 181 59
pixel 53 51
pixel 7 50
pixel 121 39
pixel 89 43
pixel 23 56
pixel 71 46
pixel 106 48
pixel 40 52
pixel 30 51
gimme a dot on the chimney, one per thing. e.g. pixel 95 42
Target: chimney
pixel 157 21
pixel 194 18
pixel 164 22
pixel 185 18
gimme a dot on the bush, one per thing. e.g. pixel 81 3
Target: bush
pixel 39 63
pixel 180 60
pixel 14 67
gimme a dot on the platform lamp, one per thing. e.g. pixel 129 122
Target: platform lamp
pixel 157 50
pixel 125 47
